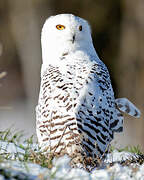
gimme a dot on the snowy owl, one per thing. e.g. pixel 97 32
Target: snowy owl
pixel 77 110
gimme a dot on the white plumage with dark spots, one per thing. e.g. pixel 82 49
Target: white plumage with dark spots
pixel 77 111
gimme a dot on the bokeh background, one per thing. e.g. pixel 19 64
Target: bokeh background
pixel 118 35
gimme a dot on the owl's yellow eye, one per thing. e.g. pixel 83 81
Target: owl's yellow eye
pixel 60 27
pixel 80 28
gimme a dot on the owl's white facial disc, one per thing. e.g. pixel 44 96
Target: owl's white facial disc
pixel 65 34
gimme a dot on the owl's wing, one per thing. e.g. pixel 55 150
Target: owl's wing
pixel 128 107
pixel 98 116
pixel 114 116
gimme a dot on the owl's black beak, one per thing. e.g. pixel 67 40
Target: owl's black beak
pixel 73 38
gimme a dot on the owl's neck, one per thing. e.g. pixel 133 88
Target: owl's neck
pixel 53 53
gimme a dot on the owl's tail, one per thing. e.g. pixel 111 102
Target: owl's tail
pixel 124 105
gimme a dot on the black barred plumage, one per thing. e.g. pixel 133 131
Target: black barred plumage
pixel 86 115
pixel 77 111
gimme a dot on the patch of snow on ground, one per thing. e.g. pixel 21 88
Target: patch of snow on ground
pixel 62 170
pixel 116 156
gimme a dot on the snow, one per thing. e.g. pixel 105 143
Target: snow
pixel 116 156
pixel 7 147
pixel 62 170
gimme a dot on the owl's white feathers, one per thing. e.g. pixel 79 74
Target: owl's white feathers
pixel 77 111
pixel 128 107
pixel 56 42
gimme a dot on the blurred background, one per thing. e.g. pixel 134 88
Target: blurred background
pixel 118 35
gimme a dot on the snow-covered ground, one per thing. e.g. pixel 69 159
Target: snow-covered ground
pixel 62 171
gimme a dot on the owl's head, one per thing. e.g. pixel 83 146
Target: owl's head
pixel 63 34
